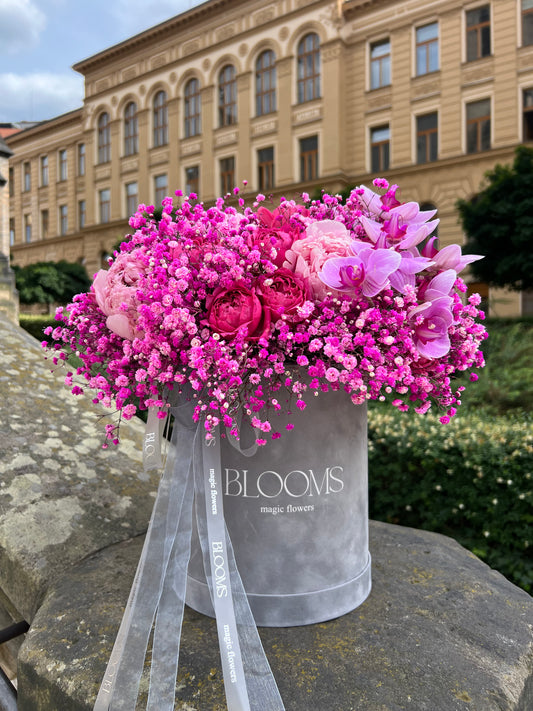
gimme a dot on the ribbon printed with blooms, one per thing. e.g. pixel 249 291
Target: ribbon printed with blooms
pixel 198 316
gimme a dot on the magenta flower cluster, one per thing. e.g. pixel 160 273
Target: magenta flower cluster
pixel 260 309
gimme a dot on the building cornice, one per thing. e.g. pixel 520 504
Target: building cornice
pixel 155 34
pixel 52 125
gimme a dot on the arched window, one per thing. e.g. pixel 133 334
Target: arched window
pixel 160 119
pixel 193 125
pixel 131 130
pixel 265 83
pixel 309 68
pixel 104 138
pixel 227 96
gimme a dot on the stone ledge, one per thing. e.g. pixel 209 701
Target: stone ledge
pixel 440 632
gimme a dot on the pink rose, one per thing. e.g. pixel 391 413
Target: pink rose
pixel 276 230
pixel 323 240
pixel 115 292
pixel 282 292
pixel 232 309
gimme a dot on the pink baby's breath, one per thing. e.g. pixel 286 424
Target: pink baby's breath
pixel 257 309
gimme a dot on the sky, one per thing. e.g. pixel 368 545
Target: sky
pixel 40 40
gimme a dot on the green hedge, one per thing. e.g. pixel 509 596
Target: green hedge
pixel 35 324
pixel 470 479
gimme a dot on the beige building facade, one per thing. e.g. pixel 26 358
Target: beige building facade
pixel 289 95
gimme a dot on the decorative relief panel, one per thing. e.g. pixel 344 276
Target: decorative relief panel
pixel 206 64
pixel 189 148
pixel 264 15
pixel 129 164
pixel 226 138
pixel 102 85
pixel 382 100
pixel 260 129
pixel 243 49
pixel 159 156
pixel 159 60
pixel 424 88
pixel 306 115
pixel 284 33
pixel 477 74
pixel 129 73
pixel 225 32
pixel 190 47
pixel 102 172
pixel 332 51
pixel 525 58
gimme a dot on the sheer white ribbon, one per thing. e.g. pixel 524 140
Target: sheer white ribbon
pixel 192 475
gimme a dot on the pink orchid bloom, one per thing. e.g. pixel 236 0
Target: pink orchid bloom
pixel 431 333
pixel 405 274
pixel 451 257
pixel 368 272
pixel 440 285
pixel 398 230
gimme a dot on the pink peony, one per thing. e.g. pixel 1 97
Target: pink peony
pixel 230 310
pixel 115 292
pixel 283 292
pixel 323 240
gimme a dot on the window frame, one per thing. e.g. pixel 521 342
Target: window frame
pixel 265 83
pixel 82 214
pixel 131 129
pixel 160 191
pixel 192 186
pixel 308 68
pixel 44 171
pixel 477 121
pixel 383 147
pixel 477 30
pixel 427 134
pixel 192 108
pixel 426 45
pixel 160 119
pixel 527 111
pixel 63 219
pixel 81 156
pixel 27 228
pixel 265 169
pixel 62 165
pixel 226 168
pixel 104 206
pixel 26 177
pixel 309 158
pixel 227 96
pixel 104 138
pixel 383 62
pixel 526 26
pixel 45 223
pixel 131 198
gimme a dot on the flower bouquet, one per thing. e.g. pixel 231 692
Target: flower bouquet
pixel 215 314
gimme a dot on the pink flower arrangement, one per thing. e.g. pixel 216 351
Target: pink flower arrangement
pixel 356 296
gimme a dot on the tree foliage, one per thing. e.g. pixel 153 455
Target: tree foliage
pixel 498 222
pixel 50 282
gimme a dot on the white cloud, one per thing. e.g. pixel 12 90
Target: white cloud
pixel 21 23
pixel 39 96
pixel 136 16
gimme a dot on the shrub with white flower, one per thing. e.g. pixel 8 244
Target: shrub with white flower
pixel 356 295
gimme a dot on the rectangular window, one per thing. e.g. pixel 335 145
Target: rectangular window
pixel 478 33
pixel 192 180
pixel 380 148
pixel 427 48
pixel 104 202
pixel 427 138
pixel 82 214
pixel 160 188
pixel 45 221
pixel 265 169
pixel 44 171
pixel 27 228
pixel 308 158
pixel 478 126
pixel 227 175
pixel 527 22
pixel 11 231
pixel 63 219
pixel 81 158
pixel 62 165
pixel 527 125
pixel 27 177
pixel 380 63
pixel 11 181
pixel 132 198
